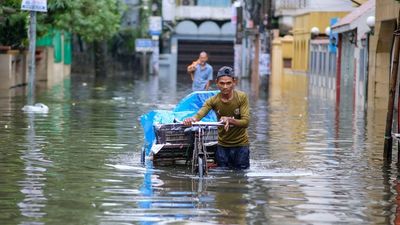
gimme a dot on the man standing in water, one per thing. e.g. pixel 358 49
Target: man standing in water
pixel 201 73
pixel 232 109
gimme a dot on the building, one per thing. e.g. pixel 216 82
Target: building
pixel 195 26
pixel 380 48
pixel 298 17
pixel 353 54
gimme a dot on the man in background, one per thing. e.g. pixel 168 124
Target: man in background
pixel 201 73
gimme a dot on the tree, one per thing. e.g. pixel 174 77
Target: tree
pixel 93 20
pixel 12 24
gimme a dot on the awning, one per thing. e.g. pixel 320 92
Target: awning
pixel 347 22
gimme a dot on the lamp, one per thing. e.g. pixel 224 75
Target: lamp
pixel 328 31
pixel 371 23
pixel 237 4
pixel 314 32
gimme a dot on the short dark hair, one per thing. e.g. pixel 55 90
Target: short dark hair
pixel 225 71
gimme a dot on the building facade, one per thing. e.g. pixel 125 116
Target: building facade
pixel 196 26
pixel 298 17
pixel 380 46
pixel 353 34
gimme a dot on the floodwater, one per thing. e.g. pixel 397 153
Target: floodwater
pixel 311 162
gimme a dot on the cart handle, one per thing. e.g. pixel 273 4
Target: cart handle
pixel 200 123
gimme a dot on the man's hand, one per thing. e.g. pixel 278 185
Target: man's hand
pixel 192 67
pixel 189 121
pixel 226 120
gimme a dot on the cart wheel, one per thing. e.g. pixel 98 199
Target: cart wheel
pixel 201 166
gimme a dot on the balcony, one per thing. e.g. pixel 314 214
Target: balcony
pixel 207 3
pixel 289 7
pixel 203 9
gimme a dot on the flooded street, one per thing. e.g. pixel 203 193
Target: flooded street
pixel 80 164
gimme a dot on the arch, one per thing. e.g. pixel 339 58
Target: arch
pixel 209 28
pixel 186 27
pixel 227 29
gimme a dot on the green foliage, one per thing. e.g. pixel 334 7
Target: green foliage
pixel 93 20
pixel 12 24
pixel 13 31
pixel 11 3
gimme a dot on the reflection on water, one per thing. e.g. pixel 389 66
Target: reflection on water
pixel 311 162
pixel 35 166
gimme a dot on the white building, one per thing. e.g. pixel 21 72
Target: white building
pixel 197 26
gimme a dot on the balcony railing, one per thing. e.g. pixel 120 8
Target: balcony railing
pixel 206 3
pixel 203 9
pixel 291 4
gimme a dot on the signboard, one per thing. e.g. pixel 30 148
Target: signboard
pixel 264 66
pixel 155 64
pixel 155 25
pixel 143 45
pixel 333 37
pixel 34 5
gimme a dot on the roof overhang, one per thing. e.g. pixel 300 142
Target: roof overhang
pixel 347 23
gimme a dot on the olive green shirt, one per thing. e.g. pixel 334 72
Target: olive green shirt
pixel 237 107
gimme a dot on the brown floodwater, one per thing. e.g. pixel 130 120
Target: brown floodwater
pixel 311 162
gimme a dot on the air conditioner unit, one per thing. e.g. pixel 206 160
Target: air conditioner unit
pixel 187 2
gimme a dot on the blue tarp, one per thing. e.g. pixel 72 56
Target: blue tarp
pixel 187 107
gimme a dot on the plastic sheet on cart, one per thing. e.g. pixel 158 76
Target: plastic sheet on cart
pixel 187 107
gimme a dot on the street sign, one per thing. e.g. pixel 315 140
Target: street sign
pixel 143 45
pixel 155 25
pixel 34 5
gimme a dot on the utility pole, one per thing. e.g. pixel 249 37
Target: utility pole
pixel 32 61
pixel 32 7
pixel 253 8
pixel 255 75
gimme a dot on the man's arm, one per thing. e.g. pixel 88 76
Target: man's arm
pixel 191 68
pixel 190 71
pixel 207 106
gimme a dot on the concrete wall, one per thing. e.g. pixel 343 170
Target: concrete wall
pixel 379 53
pixel 287 47
pixel 14 69
pixel 55 71
pixel 276 62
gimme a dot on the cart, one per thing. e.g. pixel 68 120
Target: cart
pixel 168 142
pixel 179 144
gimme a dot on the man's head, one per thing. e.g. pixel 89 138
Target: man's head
pixel 203 58
pixel 225 79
